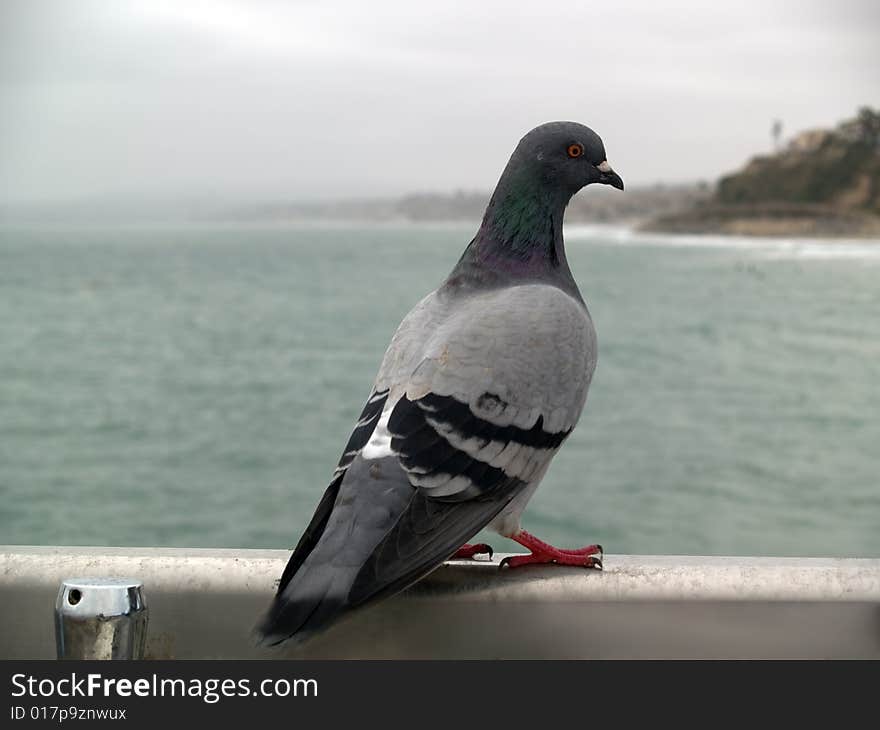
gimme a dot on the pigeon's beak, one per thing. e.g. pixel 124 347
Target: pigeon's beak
pixel 609 177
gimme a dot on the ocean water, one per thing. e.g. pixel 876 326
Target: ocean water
pixel 194 386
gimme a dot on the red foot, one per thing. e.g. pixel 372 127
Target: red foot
pixel 467 552
pixel 587 557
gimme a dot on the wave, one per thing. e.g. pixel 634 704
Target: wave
pixel 761 247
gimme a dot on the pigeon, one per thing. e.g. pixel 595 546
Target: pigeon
pixel 481 384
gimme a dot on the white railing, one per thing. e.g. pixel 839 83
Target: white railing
pixel 204 603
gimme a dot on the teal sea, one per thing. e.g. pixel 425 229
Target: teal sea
pixel 194 385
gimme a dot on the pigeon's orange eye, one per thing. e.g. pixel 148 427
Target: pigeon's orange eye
pixel 575 150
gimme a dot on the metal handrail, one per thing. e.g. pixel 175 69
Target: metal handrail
pixel 204 604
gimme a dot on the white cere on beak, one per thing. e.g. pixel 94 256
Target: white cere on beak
pixel 604 166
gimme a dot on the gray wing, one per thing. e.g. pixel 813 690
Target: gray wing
pixel 472 400
pixel 501 380
pixel 532 345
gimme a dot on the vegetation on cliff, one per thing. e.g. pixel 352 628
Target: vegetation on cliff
pixel 825 182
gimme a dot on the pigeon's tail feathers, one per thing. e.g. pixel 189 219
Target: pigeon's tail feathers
pixel 318 599
pixel 312 534
pixel 309 603
pixel 380 535
pixel 287 617
pixel 358 509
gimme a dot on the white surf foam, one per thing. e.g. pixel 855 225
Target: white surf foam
pixel 760 247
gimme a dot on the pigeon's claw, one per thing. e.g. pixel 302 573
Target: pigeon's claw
pixel 582 561
pixel 543 553
pixel 588 550
pixel 469 552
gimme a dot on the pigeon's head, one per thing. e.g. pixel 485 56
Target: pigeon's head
pixel 564 155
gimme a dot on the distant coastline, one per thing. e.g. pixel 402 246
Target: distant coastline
pixel 597 205
pixel 768 220
pixel 825 183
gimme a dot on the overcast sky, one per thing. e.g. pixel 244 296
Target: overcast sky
pixel 312 100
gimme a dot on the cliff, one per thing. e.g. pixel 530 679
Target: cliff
pixel 824 183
